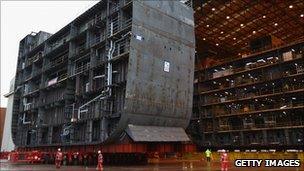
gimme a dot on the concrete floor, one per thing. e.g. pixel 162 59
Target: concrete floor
pixel 182 166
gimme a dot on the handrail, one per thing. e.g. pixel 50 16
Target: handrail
pixel 80 49
pixel 36 72
pixel 29 61
pixel 277 107
pixel 81 69
pixel 125 2
pixel 261 80
pixel 62 77
pixel 57 44
pixel 98 39
pixel 59 79
pixel 276 92
pixel 260 126
pixel 56 62
pixel 241 70
pixel 223 62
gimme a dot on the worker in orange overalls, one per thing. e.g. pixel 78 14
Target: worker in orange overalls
pixel 100 161
pixel 58 158
pixel 224 161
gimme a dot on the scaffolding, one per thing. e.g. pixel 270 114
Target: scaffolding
pixel 258 98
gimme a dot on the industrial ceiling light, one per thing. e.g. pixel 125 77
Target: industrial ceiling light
pixel 222 32
pixel 213 9
pixel 253 31
pixel 264 16
pixel 217 44
pixel 234 38
pixel 275 24
pixel 227 17
pixel 242 25
pixel 290 6
pixel 204 38
pixel 302 15
pixel 207 25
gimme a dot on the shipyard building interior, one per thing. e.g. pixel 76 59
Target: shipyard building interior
pixel 248 77
pixel 248 87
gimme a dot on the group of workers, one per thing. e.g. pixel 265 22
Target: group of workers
pixel 208 153
pixel 223 158
pixel 59 157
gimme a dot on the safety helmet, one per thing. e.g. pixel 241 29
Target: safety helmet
pixel 59 149
pixel 99 151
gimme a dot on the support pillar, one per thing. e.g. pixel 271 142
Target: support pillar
pixel 39 123
pixel 72 133
pixel 287 140
pixel 104 129
pixel 242 137
pixel 89 129
pixel 50 135
pixel 265 137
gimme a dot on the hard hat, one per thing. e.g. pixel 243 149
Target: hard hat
pixel 99 151
pixel 59 149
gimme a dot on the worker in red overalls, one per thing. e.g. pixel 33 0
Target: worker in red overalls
pixel 58 158
pixel 100 161
pixel 224 161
